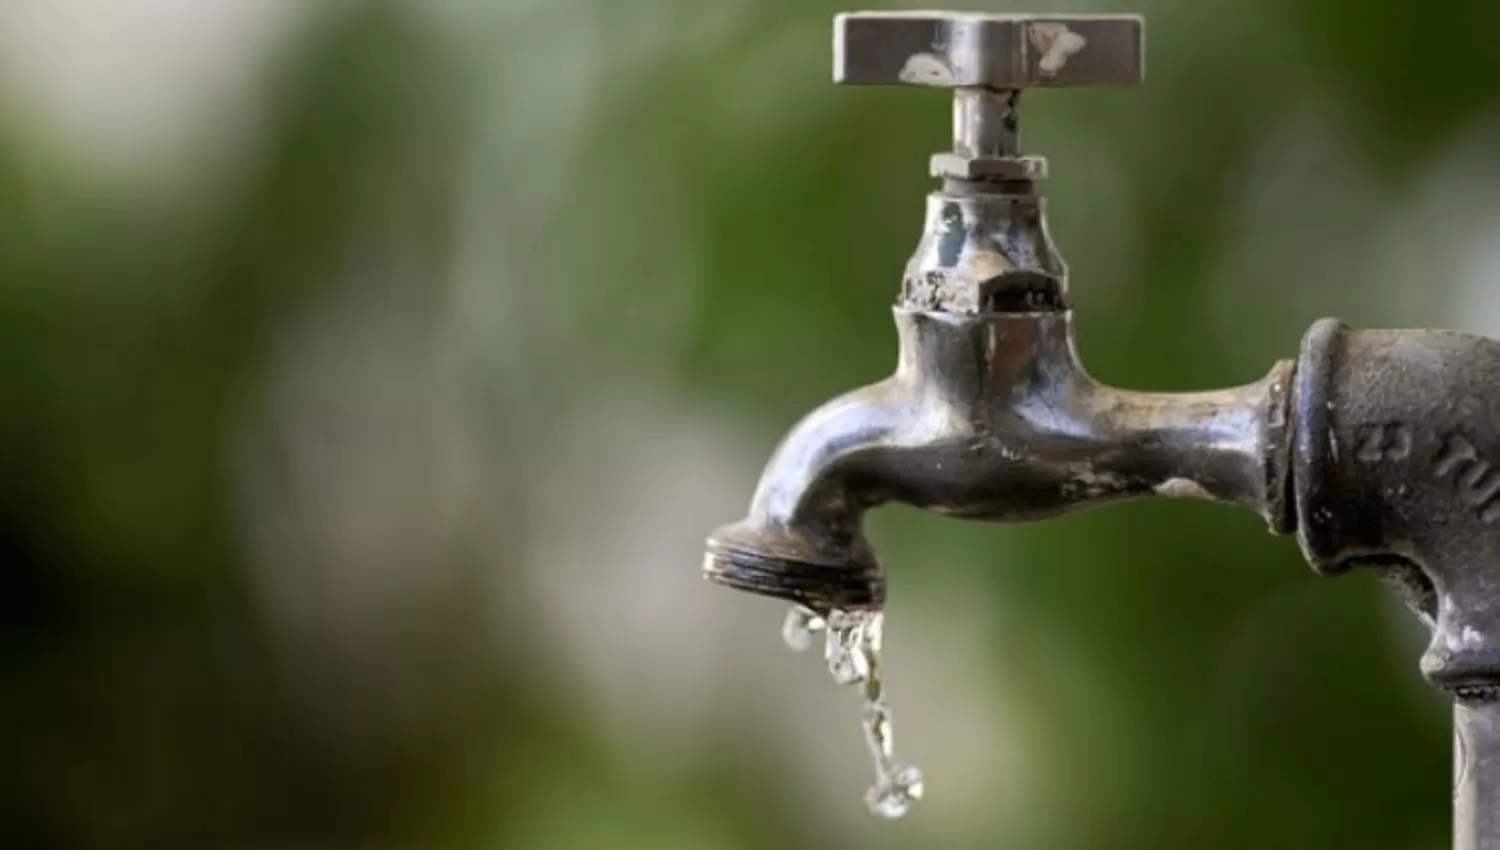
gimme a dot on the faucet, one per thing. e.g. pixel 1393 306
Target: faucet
pixel 990 414
pixel 1378 449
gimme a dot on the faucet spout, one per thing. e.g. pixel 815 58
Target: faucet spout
pixel 991 417
pixel 803 539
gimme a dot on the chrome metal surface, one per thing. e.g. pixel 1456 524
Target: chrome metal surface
pixel 989 417
pixel 985 253
pixel 985 123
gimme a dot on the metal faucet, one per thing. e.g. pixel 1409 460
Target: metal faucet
pixel 1376 448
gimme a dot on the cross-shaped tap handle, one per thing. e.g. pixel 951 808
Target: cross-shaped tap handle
pixel 987 60
pixel 1002 52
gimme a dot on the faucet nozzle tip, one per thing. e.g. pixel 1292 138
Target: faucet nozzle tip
pixel 777 565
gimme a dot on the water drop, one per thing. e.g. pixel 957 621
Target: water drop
pixel 848 650
pixel 801 625
pixel 878 736
pixel 892 796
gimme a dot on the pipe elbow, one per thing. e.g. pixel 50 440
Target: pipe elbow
pixel 1397 467
pixel 803 538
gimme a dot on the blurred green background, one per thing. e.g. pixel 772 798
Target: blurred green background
pixel 374 370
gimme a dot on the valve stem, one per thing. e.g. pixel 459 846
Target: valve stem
pixel 986 123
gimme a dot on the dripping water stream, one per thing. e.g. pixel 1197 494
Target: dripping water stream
pixel 852 649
